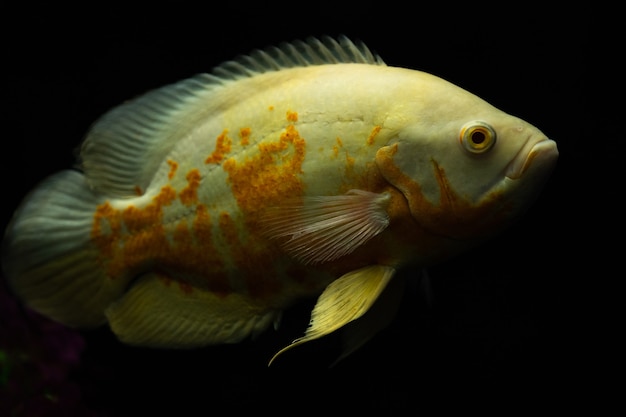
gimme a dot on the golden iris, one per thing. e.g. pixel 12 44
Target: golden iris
pixel 477 137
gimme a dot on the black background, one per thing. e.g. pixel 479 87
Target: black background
pixel 514 324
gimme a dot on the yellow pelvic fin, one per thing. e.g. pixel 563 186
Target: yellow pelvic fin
pixel 358 332
pixel 164 313
pixel 344 300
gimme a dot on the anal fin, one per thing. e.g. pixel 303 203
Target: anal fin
pixel 159 312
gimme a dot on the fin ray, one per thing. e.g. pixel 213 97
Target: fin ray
pixel 358 332
pixel 156 313
pixel 344 300
pixel 125 147
pixel 47 256
pixel 324 228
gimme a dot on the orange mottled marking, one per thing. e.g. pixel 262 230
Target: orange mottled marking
pixel 201 256
pixel 292 116
pixel 189 195
pixel 202 228
pixel 173 167
pixel 263 179
pixel 372 136
pixel 126 237
pixel 453 215
pixel 136 239
pixel 244 133
pixel 270 175
pixel 106 228
pixel 349 165
pixel 165 197
pixel 229 230
pixel 223 145
pixel 338 145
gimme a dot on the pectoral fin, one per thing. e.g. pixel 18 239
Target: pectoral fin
pixel 324 228
pixel 343 301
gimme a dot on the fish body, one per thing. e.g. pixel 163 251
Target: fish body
pixel 203 209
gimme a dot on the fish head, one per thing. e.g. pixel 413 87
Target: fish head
pixel 467 169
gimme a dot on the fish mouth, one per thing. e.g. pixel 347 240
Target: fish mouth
pixel 542 152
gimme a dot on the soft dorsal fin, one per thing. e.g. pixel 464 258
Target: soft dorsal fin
pixel 125 147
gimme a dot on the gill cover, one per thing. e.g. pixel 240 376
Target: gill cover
pixel 446 178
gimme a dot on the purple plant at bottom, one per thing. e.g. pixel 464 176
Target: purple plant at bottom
pixel 37 356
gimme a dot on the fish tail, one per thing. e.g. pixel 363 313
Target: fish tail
pixel 47 256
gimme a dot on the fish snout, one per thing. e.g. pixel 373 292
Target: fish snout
pixel 541 153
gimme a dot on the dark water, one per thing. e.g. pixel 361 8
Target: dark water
pixel 512 320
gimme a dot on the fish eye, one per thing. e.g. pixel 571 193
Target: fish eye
pixel 477 137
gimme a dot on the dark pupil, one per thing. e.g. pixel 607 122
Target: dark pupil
pixel 478 137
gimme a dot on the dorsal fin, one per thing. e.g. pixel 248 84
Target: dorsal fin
pixel 299 53
pixel 125 147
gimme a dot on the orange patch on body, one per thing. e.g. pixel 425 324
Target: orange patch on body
pixel 263 179
pixel 372 136
pixel 270 175
pixel 106 229
pixel 229 230
pixel 134 239
pixel 222 146
pixel 173 167
pixel 189 195
pixel 182 234
pixel 127 236
pixel 338 145
pixel 349 165
pixel 353 178
pixel 292 116
pixel 244 132
pixel 137 239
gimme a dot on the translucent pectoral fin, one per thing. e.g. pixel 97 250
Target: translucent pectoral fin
pixel 324 228
pixel 343 301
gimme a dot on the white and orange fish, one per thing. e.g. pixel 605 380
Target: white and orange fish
pixel 203 209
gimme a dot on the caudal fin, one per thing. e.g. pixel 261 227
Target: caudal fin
pixel 47 256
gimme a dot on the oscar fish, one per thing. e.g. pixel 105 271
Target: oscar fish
pixel 199 211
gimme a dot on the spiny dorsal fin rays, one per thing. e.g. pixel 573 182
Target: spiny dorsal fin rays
pixel 125 147
pixel 344 300
pixel 312 51
pixel 319 229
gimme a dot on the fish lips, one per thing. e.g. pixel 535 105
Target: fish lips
pixel 535 155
